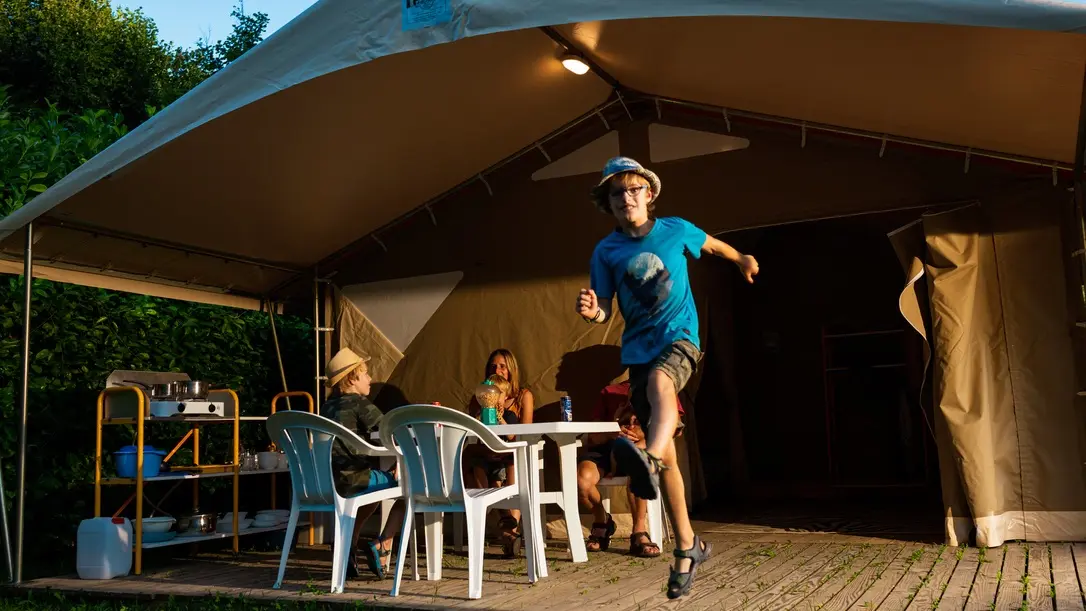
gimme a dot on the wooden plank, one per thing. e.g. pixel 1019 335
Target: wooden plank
pixel 888 578
pixel 652 588
pixel 742 592
pixel 860 581
pixel 566 578
pixel 1064 578
pixel 815 566
pixel 961 581
pixel 645 573
pixel 805 587
pixel 838 578
pixel 932 587
pixel 711 585
pixel 920 566
pixel 1009 593
pixel 982 596
pixel 574 582
pixel 1039 591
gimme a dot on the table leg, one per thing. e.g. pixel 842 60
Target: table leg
pixel 386 463
pixel 540 548
pixel 567 452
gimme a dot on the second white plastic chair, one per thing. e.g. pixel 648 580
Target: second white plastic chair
pixel 430 440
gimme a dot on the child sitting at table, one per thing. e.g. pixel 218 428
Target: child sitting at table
pixel 496 468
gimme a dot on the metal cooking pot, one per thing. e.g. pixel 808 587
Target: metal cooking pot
pixel 162 392
pixel 198 523
pixel 192 390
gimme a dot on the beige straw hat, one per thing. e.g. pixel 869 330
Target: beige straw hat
pixel 342 364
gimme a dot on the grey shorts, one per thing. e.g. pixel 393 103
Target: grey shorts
pixel 678 361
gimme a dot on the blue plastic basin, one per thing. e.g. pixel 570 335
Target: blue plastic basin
pixel 125 458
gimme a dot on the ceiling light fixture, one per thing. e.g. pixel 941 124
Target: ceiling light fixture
pixel 574 64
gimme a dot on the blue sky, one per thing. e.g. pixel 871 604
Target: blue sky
pixel 184 22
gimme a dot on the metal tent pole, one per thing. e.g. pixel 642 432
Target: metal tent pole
pixel 317 340
pixel 6 533
pixel 28 281
pixel 278 353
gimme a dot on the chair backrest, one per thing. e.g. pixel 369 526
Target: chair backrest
pixel 307 441
pixel 431 440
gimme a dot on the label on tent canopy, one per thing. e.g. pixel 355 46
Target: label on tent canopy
pixel 419 14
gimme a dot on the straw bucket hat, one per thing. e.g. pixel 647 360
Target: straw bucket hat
pixel 342 364
pixel 621 165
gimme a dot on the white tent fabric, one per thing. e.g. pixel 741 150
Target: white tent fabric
pixel 343 121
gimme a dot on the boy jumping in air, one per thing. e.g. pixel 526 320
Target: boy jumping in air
pixel 644 262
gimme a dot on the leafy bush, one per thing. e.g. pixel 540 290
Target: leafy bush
pixel 79 336
pixel 39 147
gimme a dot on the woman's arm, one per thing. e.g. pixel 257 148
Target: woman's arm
pixel 527 406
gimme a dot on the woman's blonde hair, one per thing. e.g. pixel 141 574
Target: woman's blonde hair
pixel 511 365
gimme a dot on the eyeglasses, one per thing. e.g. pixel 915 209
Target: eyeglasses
pixel 631 191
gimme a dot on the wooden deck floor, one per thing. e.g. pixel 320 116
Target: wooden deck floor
pixel 751 568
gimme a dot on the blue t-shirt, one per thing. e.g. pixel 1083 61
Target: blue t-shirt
pixel 649 274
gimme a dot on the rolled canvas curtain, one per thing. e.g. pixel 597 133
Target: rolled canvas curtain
pixel 984 288
pixel 358 333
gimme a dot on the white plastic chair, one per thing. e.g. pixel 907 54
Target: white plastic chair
pixel 307 441
pixel 430 440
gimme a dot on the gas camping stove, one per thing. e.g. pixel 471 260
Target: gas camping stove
pixel 167 409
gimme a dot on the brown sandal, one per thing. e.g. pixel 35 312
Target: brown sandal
pixel 600 543
pixel 511 539
pixel 639 547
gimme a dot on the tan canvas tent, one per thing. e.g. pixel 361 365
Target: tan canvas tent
pixel 450 162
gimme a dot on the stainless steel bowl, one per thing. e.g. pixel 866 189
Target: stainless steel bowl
pixel 200 523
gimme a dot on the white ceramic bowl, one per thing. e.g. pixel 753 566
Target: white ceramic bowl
pixel 267 460
pixel 227 526
pixel 158 525
pixel 282 461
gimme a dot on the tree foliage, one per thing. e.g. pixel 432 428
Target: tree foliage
pixel 86 54
pixel 110 70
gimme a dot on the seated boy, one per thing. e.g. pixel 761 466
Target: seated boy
pixel 353 474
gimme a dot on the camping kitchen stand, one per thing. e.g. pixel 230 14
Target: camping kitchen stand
pixel 193 472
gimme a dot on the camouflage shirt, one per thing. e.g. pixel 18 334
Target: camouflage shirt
pixel 359 414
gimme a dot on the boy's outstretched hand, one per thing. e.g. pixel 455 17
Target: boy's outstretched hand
pixel 748 266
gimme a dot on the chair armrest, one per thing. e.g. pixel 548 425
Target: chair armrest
pixel 360 446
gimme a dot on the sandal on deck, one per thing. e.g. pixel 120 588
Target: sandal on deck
pixel 600 542
pixel 642 468
pixel 375 559
pixel 678 583
pixel 640 547
pixel 511 540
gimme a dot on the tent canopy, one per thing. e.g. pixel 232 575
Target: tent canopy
pixel 343 121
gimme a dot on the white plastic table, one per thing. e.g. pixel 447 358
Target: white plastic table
pixel 566 435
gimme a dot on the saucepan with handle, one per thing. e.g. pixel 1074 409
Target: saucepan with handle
pixel 165 391
pixel 194 390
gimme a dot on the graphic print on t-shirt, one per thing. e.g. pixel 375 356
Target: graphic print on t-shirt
pixel 649 281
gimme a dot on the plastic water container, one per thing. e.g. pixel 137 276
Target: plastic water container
pixel 103 548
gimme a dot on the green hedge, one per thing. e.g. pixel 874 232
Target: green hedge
pixel 80 335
